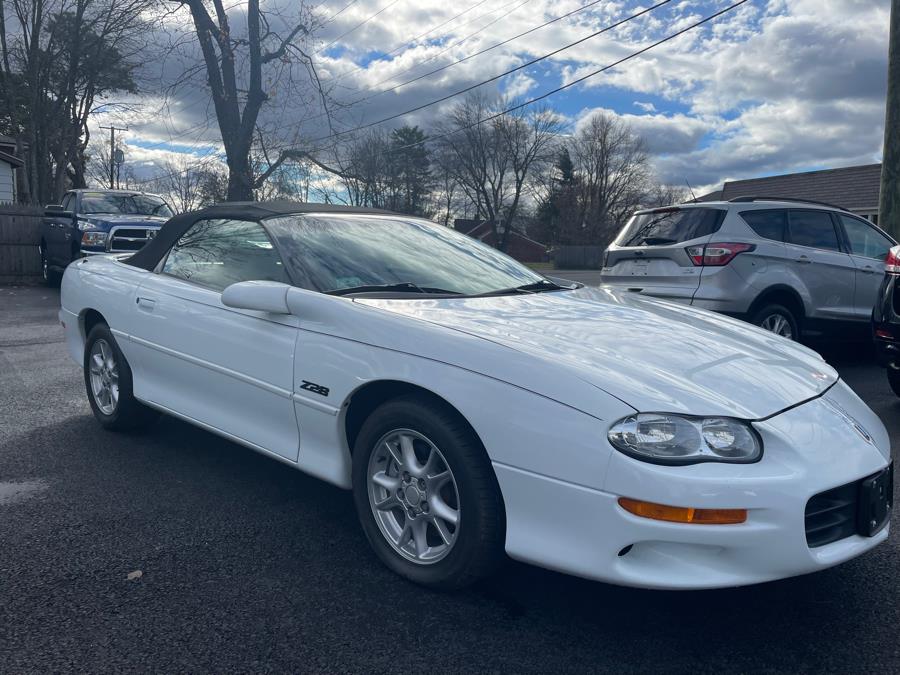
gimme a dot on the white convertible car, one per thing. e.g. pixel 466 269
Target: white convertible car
pixel 475 407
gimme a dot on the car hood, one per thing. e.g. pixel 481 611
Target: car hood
pixel 114 219
pixel 653 355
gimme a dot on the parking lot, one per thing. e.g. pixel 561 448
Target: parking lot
pixel 179 551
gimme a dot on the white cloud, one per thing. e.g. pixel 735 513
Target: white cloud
pixel 770 87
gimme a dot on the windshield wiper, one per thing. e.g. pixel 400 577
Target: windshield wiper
pixel 657 241
pixel 541 286
pixel 402 287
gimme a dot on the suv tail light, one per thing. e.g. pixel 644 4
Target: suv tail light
pixel 892 262
pixel 722 253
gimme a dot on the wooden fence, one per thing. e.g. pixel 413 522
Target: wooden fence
pixel 20 260
pixel 578 257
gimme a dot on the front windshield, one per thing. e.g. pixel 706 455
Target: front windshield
pixel 329 253
pixel 136 204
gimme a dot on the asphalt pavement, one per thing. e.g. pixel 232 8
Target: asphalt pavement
pixel 179 551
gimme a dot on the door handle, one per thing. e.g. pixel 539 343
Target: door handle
pixel 868 269
pixel 804 259
pixel 145 304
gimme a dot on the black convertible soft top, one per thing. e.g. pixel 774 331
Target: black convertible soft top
pixel 149 256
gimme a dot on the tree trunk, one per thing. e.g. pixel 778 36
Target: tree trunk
pixel 240 180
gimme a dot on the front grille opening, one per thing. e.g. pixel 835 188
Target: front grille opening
pixel 127 239
pixel 140 233
pixel 831 515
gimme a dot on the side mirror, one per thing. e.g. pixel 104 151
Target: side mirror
pixel 56 211
pixel 261 296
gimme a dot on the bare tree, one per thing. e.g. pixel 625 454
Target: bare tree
pixel 613 172
pixel 180 184
pixel 234 68
pixel 492 161
pixel 57 57
pixel 364 168
pixel 662 194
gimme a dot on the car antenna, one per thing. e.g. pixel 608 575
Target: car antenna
pixel 693 196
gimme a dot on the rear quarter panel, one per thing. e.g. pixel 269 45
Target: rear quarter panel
pixel 753 273
pixel 101 284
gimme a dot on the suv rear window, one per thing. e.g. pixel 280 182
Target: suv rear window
pixel 670 226
pixel 767 224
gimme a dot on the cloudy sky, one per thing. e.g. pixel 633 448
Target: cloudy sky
pixel 771 87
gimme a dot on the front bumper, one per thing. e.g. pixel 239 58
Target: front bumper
pixel 810 449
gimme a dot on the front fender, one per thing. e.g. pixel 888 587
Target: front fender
pixel 518 428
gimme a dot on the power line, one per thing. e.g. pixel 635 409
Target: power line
pixel 495 77
pixel 414 40
pixel 518 106
pixel 323 114
pixel 203 162
pixel 462 60
pixel 359 25
pixel 337 13
pixel 536 99
pixel 458 42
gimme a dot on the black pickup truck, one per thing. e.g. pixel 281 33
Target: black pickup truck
pixel 97 221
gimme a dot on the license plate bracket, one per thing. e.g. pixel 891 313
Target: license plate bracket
pixel 876 497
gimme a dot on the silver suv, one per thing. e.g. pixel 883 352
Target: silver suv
pixel 792 267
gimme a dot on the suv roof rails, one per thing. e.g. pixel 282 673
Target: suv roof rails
pixel 787 199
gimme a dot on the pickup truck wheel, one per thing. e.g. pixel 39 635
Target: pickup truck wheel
pixel 426 494
pixel 107 378
pixel 50 276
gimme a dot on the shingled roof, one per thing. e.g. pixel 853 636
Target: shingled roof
pixel 853 187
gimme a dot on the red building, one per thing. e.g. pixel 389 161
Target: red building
pixel 518 245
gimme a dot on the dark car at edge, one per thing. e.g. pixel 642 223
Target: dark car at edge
pixel 886 320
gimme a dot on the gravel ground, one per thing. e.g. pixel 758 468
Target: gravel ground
pixel 179 551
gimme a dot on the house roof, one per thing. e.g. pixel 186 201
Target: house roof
pixel 11 159
pixel 714 196
pixel 853 187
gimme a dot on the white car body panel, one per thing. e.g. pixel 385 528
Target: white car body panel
pixel 540 378
pixel 657 356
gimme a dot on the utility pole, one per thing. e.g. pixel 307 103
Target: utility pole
pixel 112 153
pixel 889 201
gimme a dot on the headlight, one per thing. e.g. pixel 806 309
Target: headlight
pixel 86 225
pixel 93 239
pixel 672 439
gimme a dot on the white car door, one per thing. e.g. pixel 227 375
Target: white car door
pixel 868 249
pixel 229 369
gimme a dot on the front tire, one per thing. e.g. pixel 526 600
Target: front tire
pixel 777 319
pixel 108 380
pixel 426 494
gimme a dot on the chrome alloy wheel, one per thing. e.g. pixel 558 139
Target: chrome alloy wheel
pixel 776 323
pixel 104 377
pixel 413 496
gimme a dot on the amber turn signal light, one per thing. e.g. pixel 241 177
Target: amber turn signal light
pixel 683 514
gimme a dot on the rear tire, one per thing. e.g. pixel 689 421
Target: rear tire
pixel 426 494
pixel 777 319
pixel 108 381
pixel 893 378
